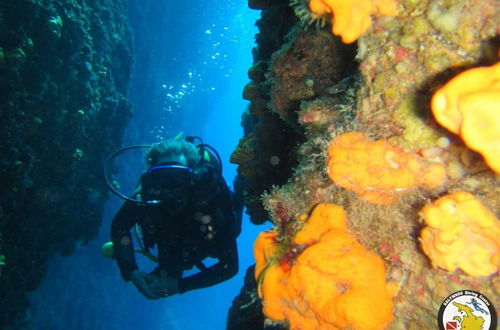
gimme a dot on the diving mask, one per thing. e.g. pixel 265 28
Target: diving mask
pixel 166 182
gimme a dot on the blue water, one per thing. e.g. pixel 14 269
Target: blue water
pixel 202 57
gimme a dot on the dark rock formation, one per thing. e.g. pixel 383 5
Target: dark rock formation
pixel 246 311
pixel 266 155
pixel 64 72
pixel 301 88
pixel 293 64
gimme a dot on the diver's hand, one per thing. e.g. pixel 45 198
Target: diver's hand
pixel 141 281
pixel 162 285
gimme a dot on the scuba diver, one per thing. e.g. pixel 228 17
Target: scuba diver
pixel 183 206
pixel 477 306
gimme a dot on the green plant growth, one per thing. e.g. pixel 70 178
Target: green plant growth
pixel 2 262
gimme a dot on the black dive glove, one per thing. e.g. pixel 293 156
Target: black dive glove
pixel 162 285
pixel 141 282
pixel 155 285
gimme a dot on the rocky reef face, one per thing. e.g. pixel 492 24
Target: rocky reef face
pixel 358 127
pixel 246 311
pixel 285 72
pixel 64 73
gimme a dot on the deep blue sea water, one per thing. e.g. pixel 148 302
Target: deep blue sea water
pixel 195 57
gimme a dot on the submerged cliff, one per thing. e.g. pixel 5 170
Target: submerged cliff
pixel 64 73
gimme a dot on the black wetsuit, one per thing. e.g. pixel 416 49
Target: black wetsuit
pixel 207 227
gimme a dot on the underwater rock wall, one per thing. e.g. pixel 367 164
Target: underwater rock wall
pixel 373 165
pixel 265 154
pixel 284 73
pixel 64 73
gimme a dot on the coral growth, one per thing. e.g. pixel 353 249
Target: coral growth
pixel 379 171
pixel 334 283
pixel 318 113
pixel 469 105
pixel 64 75
pixel 267 153
pixel 271 165
pixel 397 157
pixel 350 19
pixel 461 233
pixel 308 65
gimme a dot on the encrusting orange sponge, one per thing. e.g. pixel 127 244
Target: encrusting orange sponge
pixel 351 18
pixel 461 233
pixel 334 283
pixel 469 105
pixel 377 170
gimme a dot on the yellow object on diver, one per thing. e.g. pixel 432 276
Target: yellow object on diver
pixel 108 250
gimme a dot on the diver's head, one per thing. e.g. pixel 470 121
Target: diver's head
pixel 173 150
pixel 170 173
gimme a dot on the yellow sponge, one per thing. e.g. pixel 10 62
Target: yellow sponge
pixel 461 233
pixel 469 105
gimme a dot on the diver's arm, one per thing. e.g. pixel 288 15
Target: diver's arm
pixel 123 221
pixel 226 268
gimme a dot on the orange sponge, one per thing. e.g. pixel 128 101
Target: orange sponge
pixel 264 248
pixel 377 170
pixel 335 283
pixel 267 267
pixel 351 18
pixel 469 105
pixel 461 233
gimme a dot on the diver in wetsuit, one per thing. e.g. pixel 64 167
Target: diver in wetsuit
pixel 189 212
